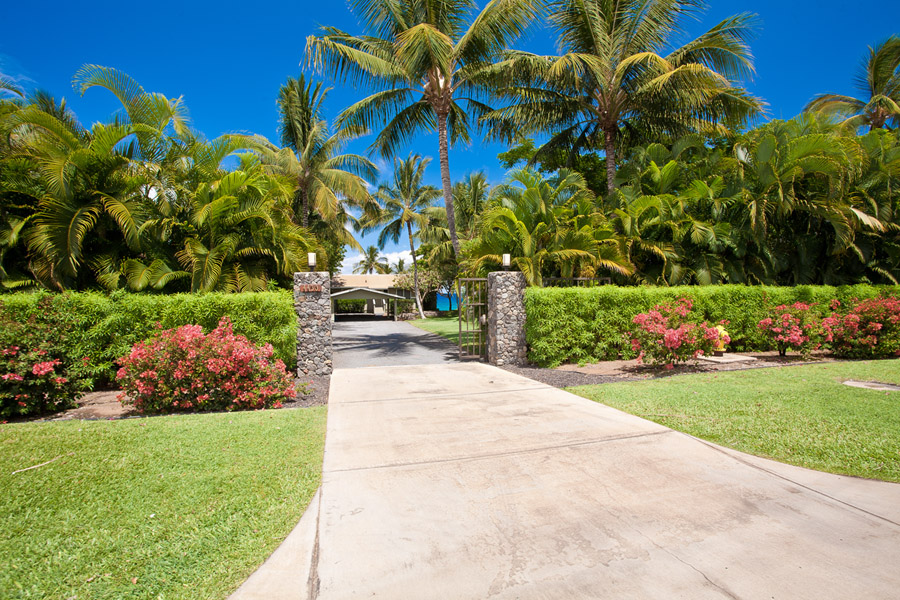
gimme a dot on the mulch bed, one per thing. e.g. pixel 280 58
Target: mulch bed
pixel 317 392
pixel 615 371
pixel 104 405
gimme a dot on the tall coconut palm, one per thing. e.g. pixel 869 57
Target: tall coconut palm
pixel 325 178
pixel 425 63
pixel 617 82
pixel 402 208
pixel 878 79
pixel 399 266
pixel 372 262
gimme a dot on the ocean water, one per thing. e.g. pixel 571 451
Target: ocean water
pixel 446 301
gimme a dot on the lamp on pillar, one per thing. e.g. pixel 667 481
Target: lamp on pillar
pixel 506 261
pixel 311 260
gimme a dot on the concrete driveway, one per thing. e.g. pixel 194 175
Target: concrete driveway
pixel 466 481
pixel 377 342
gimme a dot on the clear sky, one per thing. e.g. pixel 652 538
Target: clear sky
pixel 227 59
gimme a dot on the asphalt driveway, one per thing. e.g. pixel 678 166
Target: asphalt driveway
pixel 375 342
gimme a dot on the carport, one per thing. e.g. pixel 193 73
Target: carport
pixel 368 294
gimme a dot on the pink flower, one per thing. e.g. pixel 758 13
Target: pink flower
pixel 44 368
pixel 13 377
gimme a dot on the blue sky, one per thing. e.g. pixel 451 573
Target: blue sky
pixel 227 59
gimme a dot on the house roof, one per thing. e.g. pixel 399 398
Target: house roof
pixel 372 282
pixel 365 294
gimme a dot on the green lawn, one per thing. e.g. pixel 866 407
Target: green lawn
pixel 163 507
pixel 447 327
pixel 799 415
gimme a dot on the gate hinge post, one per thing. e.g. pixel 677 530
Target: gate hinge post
pixel 506 318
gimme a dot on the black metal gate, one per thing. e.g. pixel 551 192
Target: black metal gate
pixel 472 307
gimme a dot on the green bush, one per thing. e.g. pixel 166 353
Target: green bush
pixel 185 370
pixel 35 377
pixel 104 327
pixel 588 324
pixel 349 306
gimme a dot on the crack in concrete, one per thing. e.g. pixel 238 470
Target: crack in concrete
pixel 427 396
pixel 719 587
pixel 312 583
pixel 627 436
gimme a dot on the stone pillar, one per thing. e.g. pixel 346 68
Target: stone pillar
pixel 506 318
pixel 312 302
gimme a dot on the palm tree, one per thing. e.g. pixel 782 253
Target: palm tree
pixel 794 177
pixel 469 199
pixel 399 266
pixel 8 86
pixel 615 84
pixel 548 226
pixel 403 206
pixel 244 233
pixel 879 79
pixel 372 262
pixel 86 187
pixel 326 180
pixel 424 63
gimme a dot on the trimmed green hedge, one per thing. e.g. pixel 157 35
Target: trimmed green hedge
pixel 575 325
pixel 104 327
pixel 349 306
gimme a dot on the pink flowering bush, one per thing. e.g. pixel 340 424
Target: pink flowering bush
pixel 870 329
pixel 667 334
pixel 33 377
pixel 185 370
pixel 792 327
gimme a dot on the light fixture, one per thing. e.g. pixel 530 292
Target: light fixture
pixel 506 261
pixel 311 259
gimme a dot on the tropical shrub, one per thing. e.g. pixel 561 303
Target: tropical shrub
pixel 869 329
pixel 668 335
pixel 104 327
pixel 586 324
pixel 349 306
pixel 34 378
pixel 183 369
pixel 795 326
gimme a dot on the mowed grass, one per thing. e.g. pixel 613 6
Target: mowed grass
pixel 799 415
pixel 162 507
pixel 447 327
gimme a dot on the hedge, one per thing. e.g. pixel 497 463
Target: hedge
pixel 104 327
pixel 349 306
pixel 576 325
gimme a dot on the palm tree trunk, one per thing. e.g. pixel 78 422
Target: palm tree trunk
pixel 412 250
pixel 445 181
pixel 304 219
pixel 610 135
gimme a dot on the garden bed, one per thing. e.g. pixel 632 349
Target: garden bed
pixel 105 404
pixel 614 371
